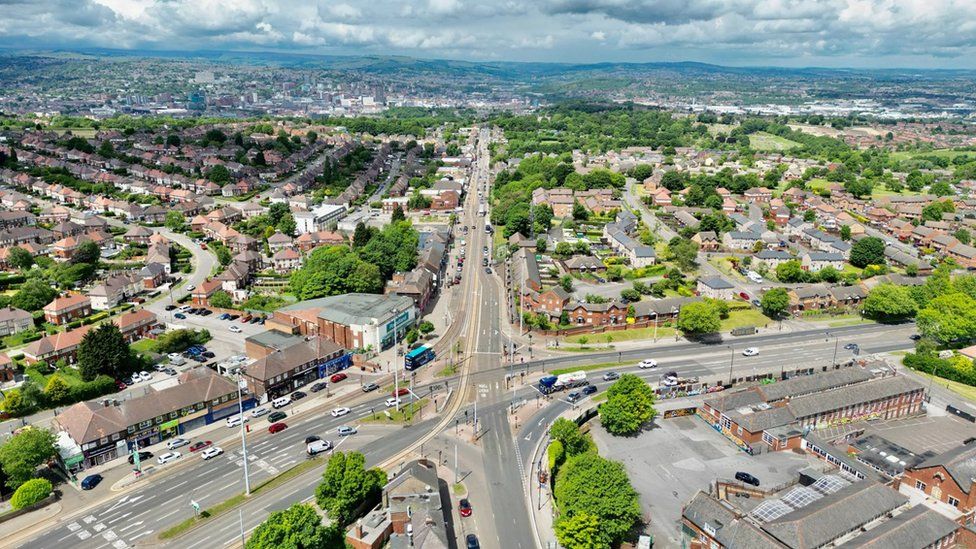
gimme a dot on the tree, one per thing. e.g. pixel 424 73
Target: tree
pixel 948 318
pixel 15 404
pixel 221 300
pixel 298 527
pixel 287 225
pixel 868 251
pixel 88 252
pixel 276 211
pixel 630 294
pixel 361 235
pixel 346 485
pixel 20 258
pixel 104 351
pixel 175 221
pixel 629 406
pixel 890 302
pixel 790 271
pixel 962 235
pixel 540 244
pixel 775 303
pixel 426 327
pixel 223 254
pixel 24 452
pixel 57 390
pixel 31 492
pixel 398 214
pixel 568 434
pixel 219 174
pixel 699 317
pixel 828 274
pixel 845 232
pixel 683 252
pixel 809 216
pixel 580 213
pixel 567 283
pixel 581 531
pixel 33 295
pixel 563 250
pixel 596 486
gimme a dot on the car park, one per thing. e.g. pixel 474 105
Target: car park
pixel 277 427
pixel 611 376
pixel 277 416
pixel 750 351
pixel 318 386
pixel 91 481
pixel 176 443
pixel 464 508
pixel 647 363
pixel 259 411
pixel 336 378
pixel 211 452
pixel 143 456
pixel 197 446
pixel 746 478
pixel 370 387
pixel 339 412
pixel 346 430
pixel 168 457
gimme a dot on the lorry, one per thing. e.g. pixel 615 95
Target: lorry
pixel 551 384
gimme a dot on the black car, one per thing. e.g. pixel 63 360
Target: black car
pixel 574 396
pixel 915 337
pixel 312 438
pixel 317 387
pixel 472 541
pixel 850 346
pixel 747 478
pixel 90 481
pixel 170 307
pixel 298 395
pixel 143 456
pixel 275 417
pixel 208 354
pixel 207 312
pixel 370 387
pixel 589 389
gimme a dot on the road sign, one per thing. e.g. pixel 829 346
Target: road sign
pixel 195 505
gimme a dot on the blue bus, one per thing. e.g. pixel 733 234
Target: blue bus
pixel 418 357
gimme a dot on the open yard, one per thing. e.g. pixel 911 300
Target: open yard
pixel 762 141
pixel 941 153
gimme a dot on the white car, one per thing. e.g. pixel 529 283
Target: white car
pixel 340 411
pixel 176 443
pixel 168 457
pixel 259 411
pixel 190 288
pixel 647 363
pixel 346 430
pixel 751 351
pixel 391 402
pixel 145 376
pixel 211 452
pixel 184 309
pixel 235 328
pixel 235 421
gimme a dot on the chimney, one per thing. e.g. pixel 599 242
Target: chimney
pixel 359 529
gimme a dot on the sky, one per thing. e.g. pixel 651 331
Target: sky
pixel 792 33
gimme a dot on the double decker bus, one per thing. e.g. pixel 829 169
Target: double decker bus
pixel 418 357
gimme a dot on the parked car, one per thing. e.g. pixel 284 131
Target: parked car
pixel 197 446
pixel 208 354
pixel 206 312
pixel 346 430
pixel 471 541
pixel 246 318
pixel 744 296
pixel 750 351
pixel 90 481
pixel 277 416
pixel 143 456
pixel 223 316
pixel 339 412
pixel 168 457
pixel 336 378
pixel 318 386
pixel 277 427
pixel 145 376
pixel 611 376
pixel 464 508
pixel 746 478
pixel 298 395
pixel 235 328
pixel 259 411
pixel 120 384
pixel 169 307
pixel 370 387
pixel 180 316
pixel 647 363
pixel 176 443
pixel 850 346
pixel 212 452
pixel 235 421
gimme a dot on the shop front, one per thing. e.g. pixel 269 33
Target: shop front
pixel 337 364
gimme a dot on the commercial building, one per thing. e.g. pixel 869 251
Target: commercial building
pixel 319 218
pixel 352 321
pixel 283 363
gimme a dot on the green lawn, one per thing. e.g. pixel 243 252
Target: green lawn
pixel 622 335
pixel 966 391
pixel 404 414
pixel 762 141
pixel 941 153
pixel 144 345
pixel 744 317
pixel 70 375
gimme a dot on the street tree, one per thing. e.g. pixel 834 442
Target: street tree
pixel 629 406
pixel 890 302
pixel 948 318
pixel 346 485
pixel 104 351
pixel 297 527
pixel 699 317
pixel 175 221
pixel 568 433
pixel 775 303
pixel 22 453
pixel 581 531
pixel 590 484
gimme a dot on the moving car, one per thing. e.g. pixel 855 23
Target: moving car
pixel 212 452
pixel 176 443
pixel 319 386
pixel 336 378
pixel 756 303
pixel 746 478
pixel 370 387
pixel 317 447
pixel 277 427
pixel 471 541
pixel 611 376
pixel 168 457
pixel 589 390
pixel 850 346
pixel 277 416
pixel 744 296
pixel 143 456
pixel 201 445
pixel 751 351
pixel 312 438
pixel 647 363
pixel 338 412
pixel 402 391
pixel 464 508
pixel 575 396
pixel 90 481
pixel 391 402
pixel 346 430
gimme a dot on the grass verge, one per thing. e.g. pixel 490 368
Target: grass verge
pixel 403 415
pixel 231 503
pixel 968 392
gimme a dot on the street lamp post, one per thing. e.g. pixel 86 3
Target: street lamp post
pixel 240 407
pixel 655 325
pixel 731 362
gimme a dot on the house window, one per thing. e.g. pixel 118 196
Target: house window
pixel 919 485
pixel 953 501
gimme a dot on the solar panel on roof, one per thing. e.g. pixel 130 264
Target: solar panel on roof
pixel 771 509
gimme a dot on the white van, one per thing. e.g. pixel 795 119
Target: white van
pixel 235 421
pixel 318 446
pixel 755 277
pixel 281 402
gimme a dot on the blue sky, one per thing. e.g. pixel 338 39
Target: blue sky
pixel 833 33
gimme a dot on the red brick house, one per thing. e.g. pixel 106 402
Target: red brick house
pixel 66 308
pixel 203 292
pixel 136 325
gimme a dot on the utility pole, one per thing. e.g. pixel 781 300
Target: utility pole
pixel 455 464
pixel 240 407
pixel 731 362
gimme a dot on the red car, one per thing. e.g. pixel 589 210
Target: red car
pixel 277 427
pixel 464 508
pixel 200 445
pixel 336 378
pixel 402 391
pixel 744 296
pixel 120 385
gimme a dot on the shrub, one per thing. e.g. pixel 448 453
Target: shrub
pixel 31 492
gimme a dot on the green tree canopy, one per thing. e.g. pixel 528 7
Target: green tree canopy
pixel 20 258
pixel 347 484
pixel 590 484
pixel 868 251
pixel 683 252
pixel 790 271
pixel 31 492
pixel 175 220
pixel 629 406
pixel 948 318
pixel 581 531
pixel 298 527
pixel 33 295
pixel 568 433
pixel 221 300
pixel 22 453
pixel 699 317
pixel 890 302
pixel 104 351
